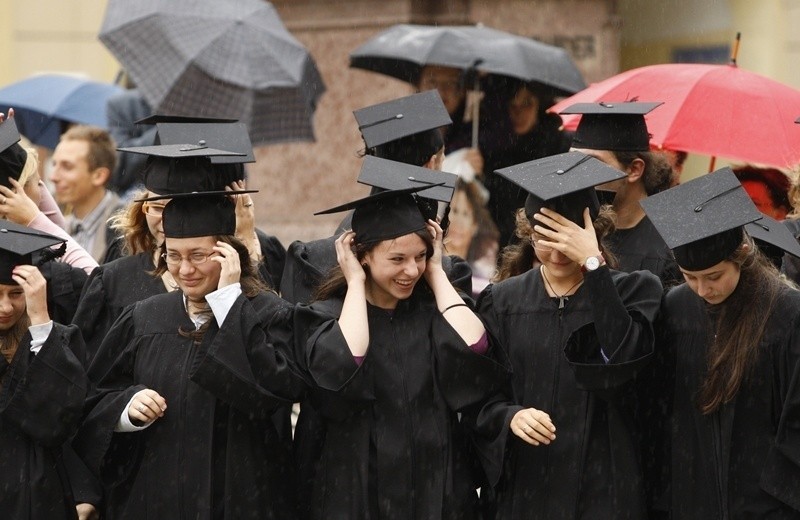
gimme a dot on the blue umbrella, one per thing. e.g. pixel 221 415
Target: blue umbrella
pixel 44 102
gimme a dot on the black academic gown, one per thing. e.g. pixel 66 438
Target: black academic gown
pixel 743 461
pixel 215 454
pixel 41 399
pixel 110 289
pixel 791 265
pixel 64 286
pixel 592 469
pixel 393 447
pixel 641 248
pixel 307 264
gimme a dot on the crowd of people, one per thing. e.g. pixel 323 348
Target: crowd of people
pixel 566 332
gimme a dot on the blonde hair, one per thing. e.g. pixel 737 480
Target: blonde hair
pixel 31 166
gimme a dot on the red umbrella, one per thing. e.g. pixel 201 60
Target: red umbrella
pixel 717 110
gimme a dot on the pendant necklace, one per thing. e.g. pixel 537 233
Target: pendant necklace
pixel 562 298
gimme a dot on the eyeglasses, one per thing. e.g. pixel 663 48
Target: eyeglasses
pixel 154 210
pixel 196 258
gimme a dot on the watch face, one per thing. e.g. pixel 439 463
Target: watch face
pixel 592 263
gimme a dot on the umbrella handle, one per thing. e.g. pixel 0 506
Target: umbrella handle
pixel 735 52
pixel 476 112
pixel 712 163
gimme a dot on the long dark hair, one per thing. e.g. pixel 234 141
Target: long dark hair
pixel 486 232
pixel 518 258
pixel 252 284
pixel 740 323
pixel 9 339
pixel 335 285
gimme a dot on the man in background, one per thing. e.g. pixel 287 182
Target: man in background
pixel 82 166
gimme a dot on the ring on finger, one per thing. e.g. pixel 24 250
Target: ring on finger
pixel 141 408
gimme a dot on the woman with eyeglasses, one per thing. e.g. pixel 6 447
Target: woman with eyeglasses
pixel 561 442
pixel 186 383
pixel 130 278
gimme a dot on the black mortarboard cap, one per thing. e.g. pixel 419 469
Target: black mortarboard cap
pixel 618 127
pixel 392 175
pixel 564 183
pixel 17 244
pixel 199 214
pixel 161 118
pixel 702 220
pixel 773 238
pixel 398 118
pixel 383 216
pixel 12 155
pixel 183 168
pixel 230 136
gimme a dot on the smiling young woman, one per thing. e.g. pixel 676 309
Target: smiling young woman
pixel 395 353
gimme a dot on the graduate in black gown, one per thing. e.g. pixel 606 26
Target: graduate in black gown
pixel 42 386
pixel 524 132
pixel 562 442
pixel 406 130
pixel 311 258
pixel 129 279
pixel 179 425
pixel 616 133
pixel 393 353
pixel 221 134
pixel 730 339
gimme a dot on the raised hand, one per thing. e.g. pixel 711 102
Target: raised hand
pixel 228 258
pixel 351 268
pixel 575 242
pixel 15 205
pixel 35 287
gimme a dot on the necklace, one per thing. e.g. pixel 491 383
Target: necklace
pixel 562 298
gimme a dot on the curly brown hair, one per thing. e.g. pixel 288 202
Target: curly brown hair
pixel 518 258
pixel 131 223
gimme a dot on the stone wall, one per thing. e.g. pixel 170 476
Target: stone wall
pixel 298 179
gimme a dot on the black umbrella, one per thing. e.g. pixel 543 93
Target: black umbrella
pixel 231 58
pixel 401 52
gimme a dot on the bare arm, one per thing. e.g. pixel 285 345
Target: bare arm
pixel 353 320
pixel 450 304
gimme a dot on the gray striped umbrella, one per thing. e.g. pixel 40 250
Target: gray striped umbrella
pixel 231 58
